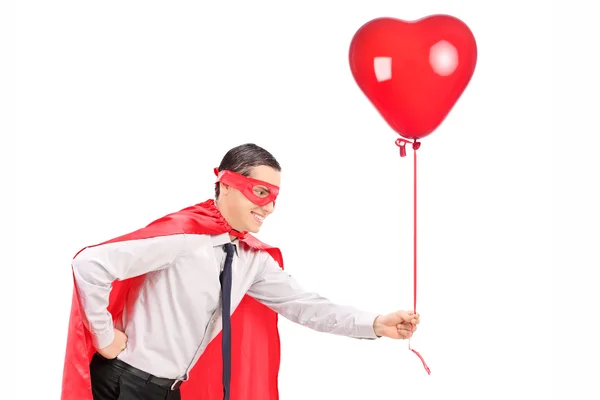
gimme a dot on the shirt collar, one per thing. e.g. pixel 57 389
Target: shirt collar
pixel 220 240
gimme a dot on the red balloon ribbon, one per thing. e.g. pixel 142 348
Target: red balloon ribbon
pixel 401 143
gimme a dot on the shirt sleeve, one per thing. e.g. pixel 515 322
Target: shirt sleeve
pixel 96 268
pixel 276 289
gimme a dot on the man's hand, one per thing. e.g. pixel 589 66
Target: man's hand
pixel 397 325
pixel 118 344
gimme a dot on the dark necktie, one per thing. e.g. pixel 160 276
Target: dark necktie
pixel 225 279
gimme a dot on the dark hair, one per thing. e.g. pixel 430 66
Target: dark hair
pixel 243 158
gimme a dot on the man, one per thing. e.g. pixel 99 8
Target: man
pixel 186 307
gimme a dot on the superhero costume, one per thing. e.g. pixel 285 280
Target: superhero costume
pixel 254 334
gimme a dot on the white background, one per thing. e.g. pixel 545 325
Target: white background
pixel 124 108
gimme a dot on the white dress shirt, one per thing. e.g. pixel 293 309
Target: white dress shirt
pixel 177 312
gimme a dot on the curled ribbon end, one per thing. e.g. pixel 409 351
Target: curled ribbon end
pixel 402 144
pixel 422 360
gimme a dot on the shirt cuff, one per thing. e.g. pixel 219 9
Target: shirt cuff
pixel 101 340
pixel 364 326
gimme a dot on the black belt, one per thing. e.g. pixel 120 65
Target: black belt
pixel 172 384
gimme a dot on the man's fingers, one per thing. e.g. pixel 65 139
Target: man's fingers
pixel 407 326
pixel 404 333
pixel 408 316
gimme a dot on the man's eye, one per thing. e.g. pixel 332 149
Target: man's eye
pixel 261 192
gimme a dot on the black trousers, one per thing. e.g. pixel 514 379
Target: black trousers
pixel 112 380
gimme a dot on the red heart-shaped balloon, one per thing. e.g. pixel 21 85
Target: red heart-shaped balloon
pixel 413 72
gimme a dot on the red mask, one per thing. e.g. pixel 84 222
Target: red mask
pixel 253 189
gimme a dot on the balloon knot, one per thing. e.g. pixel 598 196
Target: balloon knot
pixel 401 143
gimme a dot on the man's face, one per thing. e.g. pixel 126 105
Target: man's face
pixel 240 212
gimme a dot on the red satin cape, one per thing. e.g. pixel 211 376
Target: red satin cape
pixel 255 337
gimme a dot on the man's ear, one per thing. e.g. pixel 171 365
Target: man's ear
pixel 224 189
